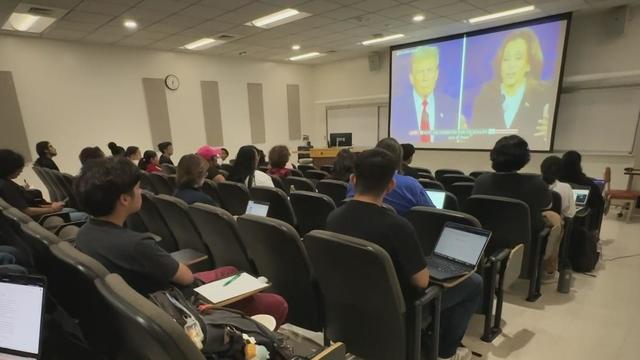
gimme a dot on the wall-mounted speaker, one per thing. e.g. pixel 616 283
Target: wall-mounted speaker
pixel 617 20
pixel 375 61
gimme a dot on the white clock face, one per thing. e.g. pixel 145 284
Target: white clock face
pixel 172 82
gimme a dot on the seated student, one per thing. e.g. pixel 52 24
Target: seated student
pixel 90 153
pixel 109 189
pixel 133 154
pixel 245 169
pixel 408 192
pixel 210 154
pixel 365 218
pixel 278 161
pixel 343 166
pixel 508 156
pixel 149 162
pixel 262 161
pixel 46 152
pixel 191 173
pixel 550 169
pixel 166 150
pixel 407 156
pixel 11 165
pixel 116 150
pixel 224 154
pixel 572 173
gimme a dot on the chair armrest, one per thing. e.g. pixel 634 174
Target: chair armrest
pixel 499 256
pixel 72 223
pixel 429 295
pixel 65 216
pixel 189 257
pixel 155 237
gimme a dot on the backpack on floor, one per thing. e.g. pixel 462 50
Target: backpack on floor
pixel 221 329
pixel 583 253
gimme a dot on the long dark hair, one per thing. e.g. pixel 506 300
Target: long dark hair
pixel 245 165
pixel 116 150
pixel 572 167
pixel 146 159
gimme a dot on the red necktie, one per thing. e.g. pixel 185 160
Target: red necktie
pixel 424 122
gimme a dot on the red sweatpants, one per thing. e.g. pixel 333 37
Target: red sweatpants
pixel 261 303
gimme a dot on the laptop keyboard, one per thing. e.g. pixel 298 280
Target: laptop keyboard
pixel 445 266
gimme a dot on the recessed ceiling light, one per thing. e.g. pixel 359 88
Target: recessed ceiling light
pixel 201 44
pixel 278 18
pixel 382 39
pixel 130 24
pixel 27 22
pixel 501 14
pixel 295 47
pixel 418 18
pixel 306 56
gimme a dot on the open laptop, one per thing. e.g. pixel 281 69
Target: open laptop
pixel 259 208
pixel 437 197
pixel 22 299
pixel 581 195
pixel 458 251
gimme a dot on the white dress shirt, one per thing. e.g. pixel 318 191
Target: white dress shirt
pixel 511 104
pixel 431 109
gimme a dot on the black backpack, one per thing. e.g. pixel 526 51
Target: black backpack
pixel 583 252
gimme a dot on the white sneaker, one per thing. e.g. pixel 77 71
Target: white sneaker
pixel 550 278
pixel 461 354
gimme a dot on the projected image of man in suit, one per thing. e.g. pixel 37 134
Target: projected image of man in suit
pixel 426 109
pixel 516 98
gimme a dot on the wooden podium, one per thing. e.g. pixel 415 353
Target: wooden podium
pixel 326 156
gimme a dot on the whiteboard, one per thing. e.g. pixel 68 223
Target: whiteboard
pixel 598 121
pixel 362 121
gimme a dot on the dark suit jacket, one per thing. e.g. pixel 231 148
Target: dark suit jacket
pixel 405 119
pixel 487 111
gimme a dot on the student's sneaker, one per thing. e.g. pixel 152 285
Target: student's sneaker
pixel 461 354
pixel 550 278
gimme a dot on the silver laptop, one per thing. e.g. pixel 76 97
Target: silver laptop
pixel 581 195
pixel 259 208
pixel 437 197
pixel 458 251
pixel 22 299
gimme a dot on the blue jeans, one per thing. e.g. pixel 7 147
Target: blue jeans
pixel 458 305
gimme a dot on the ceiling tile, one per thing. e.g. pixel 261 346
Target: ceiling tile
pixel 484 3
pixel 165 28
pixel 467 15
pixel 248 13
pixel 181 20
pixel 225 4
pixel 148 35
pixel 74 26
pixel 506 6
pixel 431 4
pixel 244 30
pixel 318 6
pixel 451 9
pixel 103 7
pixel 88 17
pixel 202 12
pixel 174 41
pixel 315 21
pixel 341 26
pixel 347 2
pixel 163 5
pixel 399 11
pixel 214 25
pixel 375 5
pixel 135 42
pixel 61 4
pixel 103 38
pixel 7 6
pixel 283 3
pixel 345 13
pixel 376 21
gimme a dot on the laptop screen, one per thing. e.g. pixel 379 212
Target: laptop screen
pixel 257 208
pixel 437 197
pixel 462 243
pixel 21 310
pixel 581 196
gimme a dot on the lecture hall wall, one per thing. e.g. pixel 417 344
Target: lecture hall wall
pixel 78 95
pixel 590 51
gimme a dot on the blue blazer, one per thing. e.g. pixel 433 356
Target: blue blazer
pixel 404 117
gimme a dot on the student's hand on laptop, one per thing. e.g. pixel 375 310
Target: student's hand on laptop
pixel 57 206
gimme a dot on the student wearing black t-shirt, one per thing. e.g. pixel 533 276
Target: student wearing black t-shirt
pixel 109 189
pixel 46 152
pixel 364 217
pixel 11 165
pixel 407 157
pixel 166 150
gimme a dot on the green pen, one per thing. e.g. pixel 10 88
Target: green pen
pixel 233 278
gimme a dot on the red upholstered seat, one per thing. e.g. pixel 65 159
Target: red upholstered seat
pixel 623 194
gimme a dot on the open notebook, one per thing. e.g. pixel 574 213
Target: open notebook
pixel 235 289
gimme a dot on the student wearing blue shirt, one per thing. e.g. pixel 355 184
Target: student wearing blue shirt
pixel 191 174
pixel 408 192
